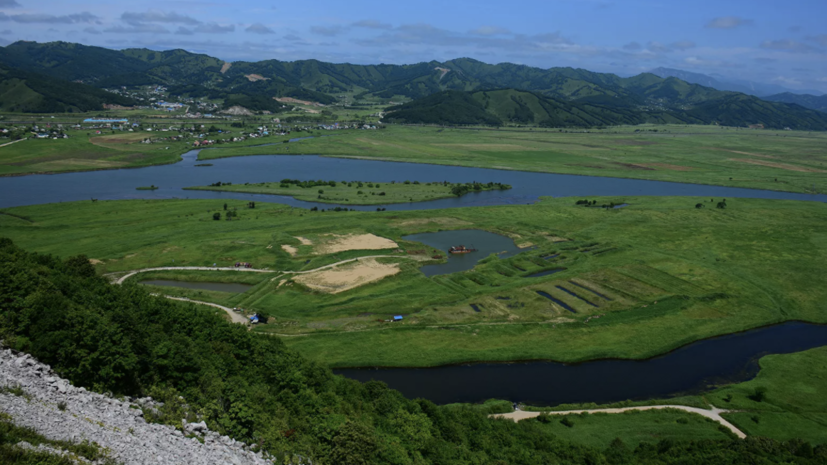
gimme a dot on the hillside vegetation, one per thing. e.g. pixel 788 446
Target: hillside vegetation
pixel 807 101
pixel 510 106
pixel 569 97
pixel 22 91
pixel 123 340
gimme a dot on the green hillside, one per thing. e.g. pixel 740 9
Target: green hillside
pixel 812 102
pixel 549 97
pixel 32 93
pixel 495 107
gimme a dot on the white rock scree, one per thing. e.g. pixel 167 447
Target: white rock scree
pixel 115 425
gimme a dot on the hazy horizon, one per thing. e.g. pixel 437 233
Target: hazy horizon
pixel 756 41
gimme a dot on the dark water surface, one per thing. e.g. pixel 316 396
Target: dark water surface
pixel 691 369
pixel 121 184
pixel 221 287
pixel 485 242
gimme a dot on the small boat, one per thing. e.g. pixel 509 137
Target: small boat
pixel 461 249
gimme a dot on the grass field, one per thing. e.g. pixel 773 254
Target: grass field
pixel 794 405
pixel 674 273
pixel 357 192
pixel 792 161
pixel 633 428
pixel 82 152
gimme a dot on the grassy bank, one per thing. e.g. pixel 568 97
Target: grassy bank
pixel 792 161
pixel 358 192
pixel 85 151
pixel 674 273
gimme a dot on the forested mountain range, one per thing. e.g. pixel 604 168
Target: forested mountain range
pixel 578 96
pixel 805 100
pixel 21 91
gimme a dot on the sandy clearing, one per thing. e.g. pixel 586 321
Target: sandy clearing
pixel 95 261
pixel 525 245
pixel 256 77
pixel 226 67
pixel 557 239
pixel 290 249
pixel 667 166
pixel 300 102
pixel 354 242
pixel 304 240
pixel 490 147
pixel 782 166
pixel 714 414
pixel 336 280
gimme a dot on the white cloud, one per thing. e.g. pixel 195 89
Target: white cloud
pixel 259 28
pixel 728 22
pixel 490 31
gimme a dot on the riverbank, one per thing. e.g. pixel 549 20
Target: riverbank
pixel 791 161
pixel 358 192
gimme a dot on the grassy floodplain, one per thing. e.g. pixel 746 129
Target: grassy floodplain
pixel 359 192
pixel 794 405
pixel 82 152
pixel 675 273
pixel 792 161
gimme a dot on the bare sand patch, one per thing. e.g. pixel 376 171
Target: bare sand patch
pixel 442 221
pixel 667 166
pixel 304 240
pixel 344 278
pixel 300 102
pixel 95 261
pixel 557 239
pixel 226 67
pixel 290 249
pixel 354 242
pixel 525 245
pixel 256 77
pixel 489 147
pixel 782 166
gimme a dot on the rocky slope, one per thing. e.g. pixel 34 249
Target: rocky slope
pixel 60 411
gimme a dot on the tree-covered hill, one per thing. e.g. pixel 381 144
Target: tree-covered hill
pixel 813 102
pixel 122 340
pixel 495 107
pixel 21 91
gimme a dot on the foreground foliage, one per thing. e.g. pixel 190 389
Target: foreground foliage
pixel 124 340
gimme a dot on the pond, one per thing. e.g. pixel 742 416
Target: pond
pixel 691 369
pixel 527 186
pixel 485 242
pixel 220 287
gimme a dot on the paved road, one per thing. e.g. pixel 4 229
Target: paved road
pixel 714 414
pixel 235 317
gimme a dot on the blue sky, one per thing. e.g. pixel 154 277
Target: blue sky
pixel 783 42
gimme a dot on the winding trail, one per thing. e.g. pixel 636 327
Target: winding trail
pixel 713 414
pixel 235 317
pixel 250 270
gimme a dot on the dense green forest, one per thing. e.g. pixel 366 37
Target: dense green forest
pixel 807 101
pixel 496 107
pixel 121 339
pixel 32 93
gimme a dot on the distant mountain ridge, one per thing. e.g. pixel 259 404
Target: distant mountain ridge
pixel 572 96
pixel 743 86
pixel 807 101
pixel 509 106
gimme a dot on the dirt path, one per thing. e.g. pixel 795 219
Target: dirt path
pixel 190 268
pixel 713 414
pixel 14 142
pixel 333 265
pixel 235 317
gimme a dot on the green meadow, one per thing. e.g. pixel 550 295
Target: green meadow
pixel 642 280
pixel 82 152
pixel 792 161
pixel 358 192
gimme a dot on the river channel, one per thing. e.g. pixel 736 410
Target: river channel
pixel 171 179
pixel 691 369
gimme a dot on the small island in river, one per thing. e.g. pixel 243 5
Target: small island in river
pixel 358 192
